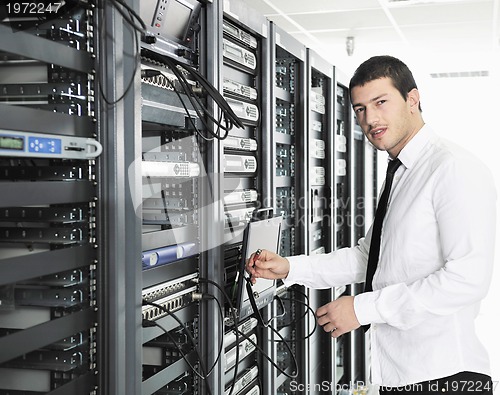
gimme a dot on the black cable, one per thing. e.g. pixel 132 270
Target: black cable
pixel 296 319
pixel 198 106
pixel 209 88
pixel 264 354
pixel 294 289
pixel 306 304
pixel 282 305
pixel 184 356
pixel 258 315
pixel 185 84
pixel 308 308
pixel 235 323
pixel 149 73
pixel 287 345
pixel 190 335
pixel 221 343
pixel 213 93
pixel 136 63
pixel 129 18
pixel 253 303
pixel 195 101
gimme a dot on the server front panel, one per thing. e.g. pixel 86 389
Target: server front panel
pixel 289 133
pixel 243 46
pixel 319 219
pixel 50 225
pixel 175 128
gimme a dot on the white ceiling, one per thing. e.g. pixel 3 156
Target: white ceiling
pixel 447 35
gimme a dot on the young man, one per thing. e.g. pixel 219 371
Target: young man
pixel 436 249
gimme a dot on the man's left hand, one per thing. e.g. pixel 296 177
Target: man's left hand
pixel 338 317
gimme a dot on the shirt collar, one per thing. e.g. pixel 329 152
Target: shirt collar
pixel 412 151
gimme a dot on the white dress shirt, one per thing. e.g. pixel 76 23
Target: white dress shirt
pixel 435 265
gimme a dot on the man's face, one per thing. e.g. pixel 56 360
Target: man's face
pixel 386 118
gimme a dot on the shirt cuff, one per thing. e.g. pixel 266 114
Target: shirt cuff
pixel 295 270
pixel 365 309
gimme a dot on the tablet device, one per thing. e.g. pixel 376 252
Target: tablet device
pixel 260 234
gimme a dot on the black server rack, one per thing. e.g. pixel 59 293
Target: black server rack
pixel 51 233
pixel 288 114
pixel 318 201
pixel 244 156
pixel 343 213
pixel 358 229
pixel 175 130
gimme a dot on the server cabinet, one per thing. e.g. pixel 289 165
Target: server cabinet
pixel 245 158
pixel 358 228
pixel 288 114
pixel 176 132
pixel 318 201
pixel 51 225
pixel 344 205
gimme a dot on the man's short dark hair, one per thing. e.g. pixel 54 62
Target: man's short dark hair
pixel 385 67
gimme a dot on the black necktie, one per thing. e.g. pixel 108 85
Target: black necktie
pixel 377 224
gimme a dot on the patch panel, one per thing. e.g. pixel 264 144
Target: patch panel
pixel 167 288
pixel 171 303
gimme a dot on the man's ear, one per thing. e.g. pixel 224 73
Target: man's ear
pixel 413 99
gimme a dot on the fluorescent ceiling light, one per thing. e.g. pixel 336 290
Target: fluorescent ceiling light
pixel 462 74
pixel 415 2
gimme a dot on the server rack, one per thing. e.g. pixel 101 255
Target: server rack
pixel 176 134
pixel 245 158
pixel 51 251
pixel 318 201
pixel 120 118
pixel 288 112
pixel 358 228
pixel 343 212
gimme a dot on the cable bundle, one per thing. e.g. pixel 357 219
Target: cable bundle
pixel 226 114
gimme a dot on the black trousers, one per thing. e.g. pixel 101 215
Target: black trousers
pixel 463 383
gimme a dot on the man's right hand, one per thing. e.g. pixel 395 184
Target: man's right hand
pixel 267 265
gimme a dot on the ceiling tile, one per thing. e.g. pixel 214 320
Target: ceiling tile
pixel 342 20
pixel 443 13
pixel 316 6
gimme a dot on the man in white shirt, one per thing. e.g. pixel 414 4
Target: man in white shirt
pixel 436 249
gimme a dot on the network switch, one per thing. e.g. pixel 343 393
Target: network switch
pixel 239 54
pixel 236 88
pixel 239 164
pixel 246 347
pixel 241 196
pixel 170 169
pixel 240 143
pixel 245 111
pixel 239 34
pixel 244 380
